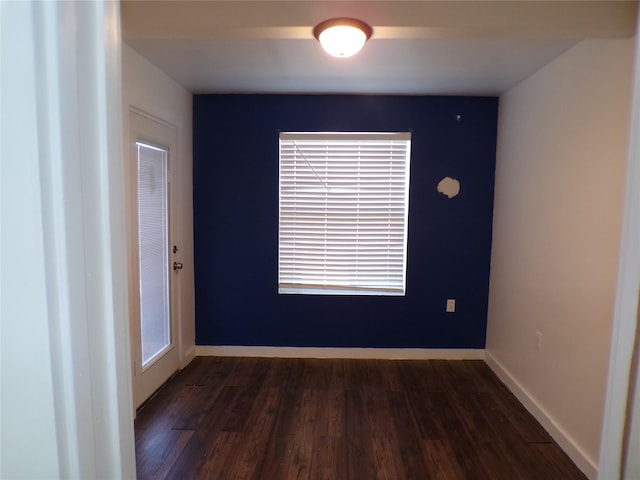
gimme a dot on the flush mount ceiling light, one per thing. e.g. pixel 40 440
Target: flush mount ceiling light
pixel 342 37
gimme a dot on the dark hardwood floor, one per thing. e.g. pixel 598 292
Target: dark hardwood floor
pixel 280 419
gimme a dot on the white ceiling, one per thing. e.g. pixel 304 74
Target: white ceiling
pixel 418 47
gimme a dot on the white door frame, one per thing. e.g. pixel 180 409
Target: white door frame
pixel 65 370
pixel 625 324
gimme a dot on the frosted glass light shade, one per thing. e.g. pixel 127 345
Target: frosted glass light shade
pixel 342 37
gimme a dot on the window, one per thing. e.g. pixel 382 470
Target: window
pixel 343 213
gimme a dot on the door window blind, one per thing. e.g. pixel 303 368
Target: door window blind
pixel 343 213
pixel 153 249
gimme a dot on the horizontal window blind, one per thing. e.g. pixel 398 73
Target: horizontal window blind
pixel 343 213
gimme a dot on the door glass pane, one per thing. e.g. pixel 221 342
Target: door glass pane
pixel 153 225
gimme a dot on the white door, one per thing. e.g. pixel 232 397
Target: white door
pixel 154 262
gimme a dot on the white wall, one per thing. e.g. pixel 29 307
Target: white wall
pixel 147 88
pixel 560 178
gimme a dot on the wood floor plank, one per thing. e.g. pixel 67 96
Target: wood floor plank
pixel 390 374
pixel 237 420
pixel 311 419
pixel 388 461
pixel 205 437
pixel 412 376
pixel 408 437
pixel 274 463
pixel 261 421
pixel 324 461
pixel 221 459
pixel 520 419
pixel 358 452
pixel 287 451
pixel 452 429
pixel 441 460
pixel 316 374
pixel 155 461
pixel 330 420
pixel 303 435
pixel 474 421
pixel 195 403
pixel 433 414
pixel 493 464
pixel 556 462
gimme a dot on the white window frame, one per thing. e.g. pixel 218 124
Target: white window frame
pixel 343 213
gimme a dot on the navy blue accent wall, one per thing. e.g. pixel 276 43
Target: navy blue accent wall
pixel 236 223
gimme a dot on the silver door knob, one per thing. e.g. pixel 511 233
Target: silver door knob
pixel 177 266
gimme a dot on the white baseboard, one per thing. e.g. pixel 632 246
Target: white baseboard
pixel 188 356
pixel 352 353
pixel 564 440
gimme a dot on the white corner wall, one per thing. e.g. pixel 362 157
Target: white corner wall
pixel 145 87
pixel 560 179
